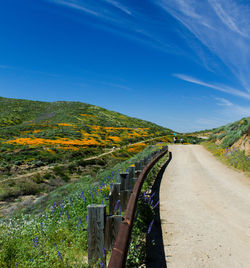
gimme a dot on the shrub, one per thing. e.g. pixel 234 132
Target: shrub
pixel 37 178
pixel 229 140
pixel 28 187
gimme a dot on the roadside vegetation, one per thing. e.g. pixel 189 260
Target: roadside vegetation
pixel 230 143
pixel 57 236
pixel 145 217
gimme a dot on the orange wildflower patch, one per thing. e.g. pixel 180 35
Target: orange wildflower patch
pixel 136 148
pixel 65 124
pixel 115 138
pixel 88 115
pixel 63 141
pixel 37 130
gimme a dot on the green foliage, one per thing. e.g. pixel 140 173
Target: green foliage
pixel 232 157
pixel 30 240
pixel 231 138
pixel 221 136
pixel 230 133
pixel 137 248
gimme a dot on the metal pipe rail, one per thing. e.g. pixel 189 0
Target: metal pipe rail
pixel 120 250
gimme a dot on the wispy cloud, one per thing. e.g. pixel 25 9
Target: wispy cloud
pixel 115 85
pixel 217 32
pixel 230 109
pixel 119 6
pixel 222 27
pixel 218 87
pixel 74 5
pixel 223 102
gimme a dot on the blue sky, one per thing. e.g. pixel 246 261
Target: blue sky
pixel 183 64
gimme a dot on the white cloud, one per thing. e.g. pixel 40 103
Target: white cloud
pixel 74 5
pixel 119 6
pixel 223 102
pixel 115 85
pixel 219 32
pixel 222 27
pixel 218 87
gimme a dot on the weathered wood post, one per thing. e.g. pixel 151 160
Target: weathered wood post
pixel 111 230
pixel 124 192
pixel 141 164
pixel 137 169
pixel 96 231
pixel 114 197
pixel 132 177
pixel 123 180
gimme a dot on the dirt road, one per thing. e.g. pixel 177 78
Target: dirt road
pixel 205 211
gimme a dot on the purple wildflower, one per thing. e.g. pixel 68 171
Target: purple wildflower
pixel 102 264
pixel 59 255
pixel 82 194
pixel 41 225
pixel 53 208
pixel 86 217
pixel 116 206
pixel 150 226
pixel 103 251
pixel 35 242
pixel 67 212
pixel 84 199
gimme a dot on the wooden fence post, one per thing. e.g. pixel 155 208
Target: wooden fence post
pixel 96 229
pixel 131 176
pixel 123 180
pixel 111 230
pixel 114 197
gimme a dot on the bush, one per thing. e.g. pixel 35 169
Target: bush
pixel 37 178
pixel 28 187
pixel 231 139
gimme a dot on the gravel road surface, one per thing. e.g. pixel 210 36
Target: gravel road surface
pixel 205 211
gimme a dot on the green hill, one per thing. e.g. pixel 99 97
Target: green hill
pixel 44 145
pixel 230 143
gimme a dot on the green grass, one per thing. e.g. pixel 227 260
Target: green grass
pixel 231 157
pixel 29 240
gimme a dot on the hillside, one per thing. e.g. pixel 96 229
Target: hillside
pixel 230 143
pixel 234 135
pixel 73 126
pixel 45 145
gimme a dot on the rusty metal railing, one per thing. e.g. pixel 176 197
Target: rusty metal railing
pixel 120 250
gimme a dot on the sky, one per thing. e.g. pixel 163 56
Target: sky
pixel 183 64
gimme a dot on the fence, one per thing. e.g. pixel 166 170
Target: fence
pixel 112 231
